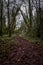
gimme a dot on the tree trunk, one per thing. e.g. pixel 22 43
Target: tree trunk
pixel 30 14
pixel 1 13
pixel 9 29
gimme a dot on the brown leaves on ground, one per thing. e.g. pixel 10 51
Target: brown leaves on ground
pixel 24 53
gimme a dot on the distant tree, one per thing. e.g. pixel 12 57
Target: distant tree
pixel 14 14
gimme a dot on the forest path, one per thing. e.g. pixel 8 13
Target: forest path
pixel 24 53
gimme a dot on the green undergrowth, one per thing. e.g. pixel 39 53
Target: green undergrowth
pixel 33 40
pixel 5 44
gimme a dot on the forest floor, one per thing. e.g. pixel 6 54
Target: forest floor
pixel 22 53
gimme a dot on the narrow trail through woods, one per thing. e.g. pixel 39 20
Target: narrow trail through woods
pixel 24 53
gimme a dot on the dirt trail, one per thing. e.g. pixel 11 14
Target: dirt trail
pixel 25 53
